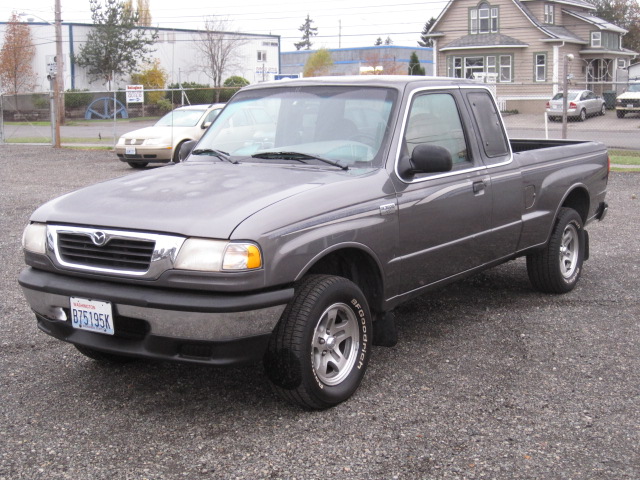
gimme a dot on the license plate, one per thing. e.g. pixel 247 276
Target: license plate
pixel 130 150
pixel 91 315
pixel 629 105
pixel 556 107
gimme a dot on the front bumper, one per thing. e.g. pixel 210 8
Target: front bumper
pixel 161 324
pixel 155 153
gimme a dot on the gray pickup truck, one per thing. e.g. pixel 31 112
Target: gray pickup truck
pixel 292 239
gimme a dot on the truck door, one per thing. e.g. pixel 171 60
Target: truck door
pixel 442 216
pixel 508 197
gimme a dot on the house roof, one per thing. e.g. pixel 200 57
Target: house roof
pixel 484 40
pixel 575 3
pixel 596 21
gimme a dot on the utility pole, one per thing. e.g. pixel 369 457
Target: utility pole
pixel 567 58
pixel 58 82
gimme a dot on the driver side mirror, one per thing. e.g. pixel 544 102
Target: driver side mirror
pixel 426 158
pixel 185 149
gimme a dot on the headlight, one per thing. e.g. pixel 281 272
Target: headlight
pixel 34 238
pixel 121 141
pixel 205 255
pixel 153 141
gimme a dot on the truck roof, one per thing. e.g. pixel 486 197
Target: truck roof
pixel 393 81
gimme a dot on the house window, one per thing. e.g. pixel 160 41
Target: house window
pixel 596 39
pixel 541 67
pixel 454 67
pixel 483 19
pixel 262 56
pixel 548 13
pixel 622 63
pixel 473 65
pixel 505 68
pixel 491 65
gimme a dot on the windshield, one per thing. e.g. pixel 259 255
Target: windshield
pixel 346 125
pixel 180 118
pixel 634 87
pixel 570 96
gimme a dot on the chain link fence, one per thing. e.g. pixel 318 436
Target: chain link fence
pixel 98 118
pixel 95 118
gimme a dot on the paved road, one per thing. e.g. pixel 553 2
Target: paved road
pixel 489 380
pixel 612 131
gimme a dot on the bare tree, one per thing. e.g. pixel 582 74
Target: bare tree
pixel 16 73
pixel 219 50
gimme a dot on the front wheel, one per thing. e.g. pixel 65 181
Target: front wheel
pixel 620 113
pixel 138 165
pixel 557 267
pixel 603 110
pixel 318 352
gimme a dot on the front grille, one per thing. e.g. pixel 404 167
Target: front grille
pixel 117 253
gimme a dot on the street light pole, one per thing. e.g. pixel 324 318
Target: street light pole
pixel 58 83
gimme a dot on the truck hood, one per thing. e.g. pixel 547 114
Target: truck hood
pixel 629 96
pixel 201 199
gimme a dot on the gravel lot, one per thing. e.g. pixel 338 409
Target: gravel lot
pixel 489 380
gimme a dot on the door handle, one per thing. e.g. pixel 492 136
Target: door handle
pixel 478 187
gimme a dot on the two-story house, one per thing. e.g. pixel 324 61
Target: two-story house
pixel 524 45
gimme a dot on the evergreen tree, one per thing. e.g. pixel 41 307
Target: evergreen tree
pixel 307 32
pixel 424 40
pixel 378 42
pixel 388 41
pixel 414 65
pixel 115 45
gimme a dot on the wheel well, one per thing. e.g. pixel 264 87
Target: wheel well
pixel 578 199
pixel 357 266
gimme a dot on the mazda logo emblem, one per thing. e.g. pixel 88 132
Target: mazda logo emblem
pixel 99 238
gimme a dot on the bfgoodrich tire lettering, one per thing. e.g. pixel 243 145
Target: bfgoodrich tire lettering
pixel 557 267
pixel 319 350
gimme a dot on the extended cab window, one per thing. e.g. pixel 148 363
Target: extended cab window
pixel 494 139
pixel 434 119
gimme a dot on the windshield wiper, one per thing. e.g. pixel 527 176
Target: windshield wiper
pixel 216 153
pixel 299 157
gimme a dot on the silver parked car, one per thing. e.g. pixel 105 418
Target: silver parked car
pixel 580 105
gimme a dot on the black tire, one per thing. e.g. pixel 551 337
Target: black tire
pixel 103 357
pixel 603 110
pixel 176 152
pixel 620 113
pixel 583 115
pixel 138 164
pixel 318 352
pixel 557 267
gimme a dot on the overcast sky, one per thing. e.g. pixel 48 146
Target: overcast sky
pixel 340 23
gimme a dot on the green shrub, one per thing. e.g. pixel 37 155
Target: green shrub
pixel 75 98
pixel 40 101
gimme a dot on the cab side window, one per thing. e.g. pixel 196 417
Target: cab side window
pixel 434 119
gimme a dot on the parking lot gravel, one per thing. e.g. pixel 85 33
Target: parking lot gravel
pixel 489 380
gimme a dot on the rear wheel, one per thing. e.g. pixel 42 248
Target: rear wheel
pixel 583 115
pixel 318 352
pixel 557 267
